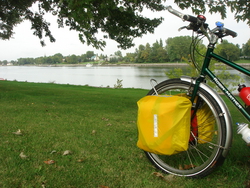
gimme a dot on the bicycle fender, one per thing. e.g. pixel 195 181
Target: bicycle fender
pixel 225 112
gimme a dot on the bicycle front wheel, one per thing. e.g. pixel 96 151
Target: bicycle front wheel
pixel 202 157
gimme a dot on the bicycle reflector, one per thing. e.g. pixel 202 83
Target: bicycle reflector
pixel 202 18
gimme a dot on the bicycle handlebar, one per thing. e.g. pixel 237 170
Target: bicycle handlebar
pixel 183 16
pixel 229 32
pixel 197 21
pixel 191 19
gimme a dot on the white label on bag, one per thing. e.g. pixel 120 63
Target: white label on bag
pixel 155 125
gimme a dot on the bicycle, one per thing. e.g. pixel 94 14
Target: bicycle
pixel 202 157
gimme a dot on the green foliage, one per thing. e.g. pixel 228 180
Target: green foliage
pixel 151 54
pixel 57 58
pixel 89 54
pixel 117 57
pixel 178 72
pixel 228 50
pixel 230 81
pixel 24 61
pixel 193 71
pixel 239 8
pixel 118 53
pixel 145 54
pixel 113 60
pixel 118 84
pixel 246 49
pixel 130 57
pixel 119 20
pixel 159 53
pixel 178 47
pixel 174 73
pixel 72 59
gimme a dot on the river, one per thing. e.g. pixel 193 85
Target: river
pixel 98 76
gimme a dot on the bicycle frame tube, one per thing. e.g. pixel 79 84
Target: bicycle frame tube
pixel 206 71
pixel 228 93
pixel 231 64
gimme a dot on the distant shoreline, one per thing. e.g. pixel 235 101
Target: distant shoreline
pixel 116 65
pixel 126 64
pixel 154 64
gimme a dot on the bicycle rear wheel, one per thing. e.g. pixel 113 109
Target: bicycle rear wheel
pixel 202 157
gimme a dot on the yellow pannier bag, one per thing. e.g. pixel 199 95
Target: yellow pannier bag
pixel 202 125
pixel 205 123
pixel 163 124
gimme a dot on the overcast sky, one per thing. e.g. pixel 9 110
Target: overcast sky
pixel 25 44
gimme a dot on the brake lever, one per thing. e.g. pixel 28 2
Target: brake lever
pixel 189 27
pixel 184 27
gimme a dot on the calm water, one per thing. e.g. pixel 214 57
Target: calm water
pixel 133 77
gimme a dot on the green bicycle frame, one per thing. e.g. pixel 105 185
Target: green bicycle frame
pixel 205 71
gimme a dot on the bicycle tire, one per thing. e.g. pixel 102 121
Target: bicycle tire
pixel 200 159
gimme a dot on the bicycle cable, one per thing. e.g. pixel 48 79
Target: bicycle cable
pixel 196 40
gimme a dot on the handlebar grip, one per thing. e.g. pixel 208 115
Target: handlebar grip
pixel 183 16
pixel 229 32
pixel 191 18
pixel 175 12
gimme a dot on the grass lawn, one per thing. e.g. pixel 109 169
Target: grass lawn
pixel 243 61
pixel 98 127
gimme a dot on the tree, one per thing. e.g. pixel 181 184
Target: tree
pixel 139 52
pixel 178 47
pixel 162 55
pixel 83 58
pixel 73 59
pixel 89 54
pixel 154 52
pixel 49 60
pixel 40 60
pixel 246 49
pixel 130 57
pixel 118 53
pixel 228 50
pixel 58 58
pixel 239 8
pixel 145 54
pixel 120 20
pixel 102 57
pixel 159 54
pixel 4 62
pixel 24 61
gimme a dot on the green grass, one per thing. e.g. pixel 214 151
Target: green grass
pixel 243 61
pixel 99 126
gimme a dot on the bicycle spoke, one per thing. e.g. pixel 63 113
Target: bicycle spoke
pixel 199 152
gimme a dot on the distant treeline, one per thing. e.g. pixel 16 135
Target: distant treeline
pixel 175 49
